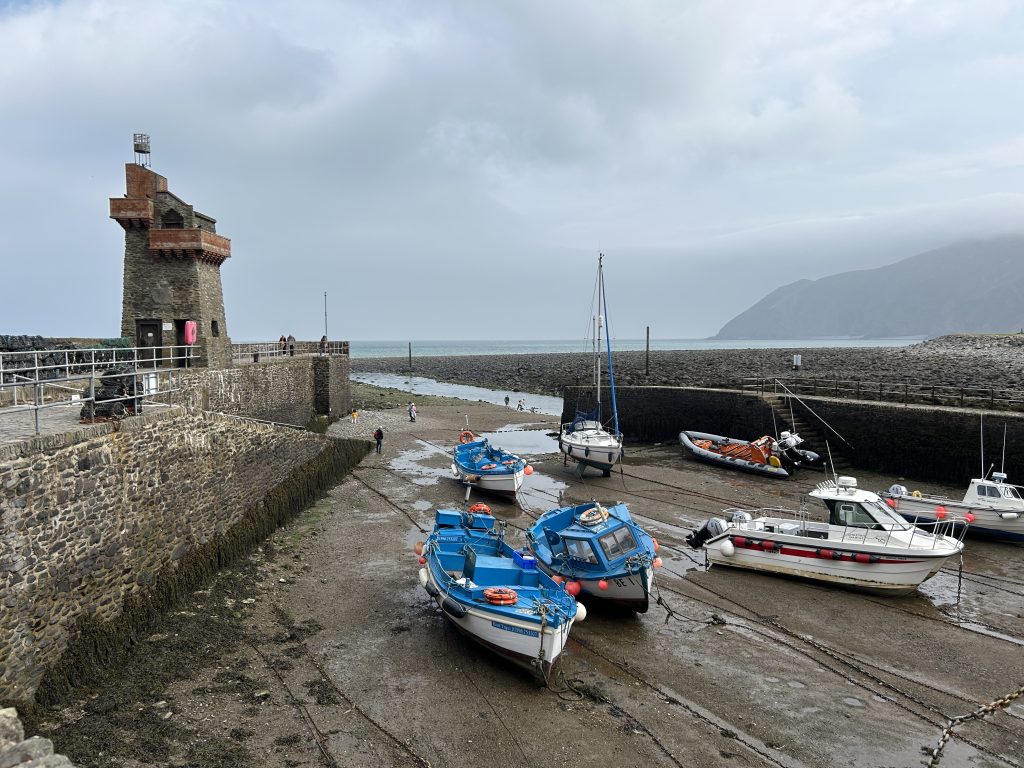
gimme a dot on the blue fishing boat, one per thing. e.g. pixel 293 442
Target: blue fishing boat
pixel 495 594
pixel 599 551
pixel 478 463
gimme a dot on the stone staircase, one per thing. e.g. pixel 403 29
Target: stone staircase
pixel 791 415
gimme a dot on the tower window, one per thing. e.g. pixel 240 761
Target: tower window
pixel 215 328
pixel 172 220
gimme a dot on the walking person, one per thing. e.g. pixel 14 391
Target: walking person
pixel 323 344
pixel 283 343
pixel 379 437
pixel 291 345
pixel 355 415
pixel 412 411
pixel 506 401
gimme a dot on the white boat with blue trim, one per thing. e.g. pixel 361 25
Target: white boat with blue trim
pixel 863 543
pixel 586 439
pixel 993 507
pixel 495 594
pixel 477 463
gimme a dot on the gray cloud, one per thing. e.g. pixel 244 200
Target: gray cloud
pixel 412 158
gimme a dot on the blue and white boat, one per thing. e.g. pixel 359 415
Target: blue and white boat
pixel 479 464
pixel 494 593
pixel 600 550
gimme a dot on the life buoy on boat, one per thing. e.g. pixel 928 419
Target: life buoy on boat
pixel 465 436
pixel 508 462
pixel 488 466
pixel 501 596
pixel 480 508
pixel 594 515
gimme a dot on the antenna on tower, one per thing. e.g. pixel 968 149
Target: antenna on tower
pixel 140 141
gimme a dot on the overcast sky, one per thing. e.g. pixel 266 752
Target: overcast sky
pixel 451 169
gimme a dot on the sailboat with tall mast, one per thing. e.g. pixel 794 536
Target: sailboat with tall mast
pixel 585 439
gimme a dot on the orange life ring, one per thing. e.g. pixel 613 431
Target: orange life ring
pixel 488 466
pixel 501 596
pixel 507 462
pixel 480 508
pixel 465 436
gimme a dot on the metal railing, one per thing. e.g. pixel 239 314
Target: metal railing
pixel 889 392
pixel 254 352
pixel 107 382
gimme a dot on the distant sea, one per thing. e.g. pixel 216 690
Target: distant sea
pixel 455 348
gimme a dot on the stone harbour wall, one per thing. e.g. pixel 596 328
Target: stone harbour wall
pixel 17 751
pixel 925 443
pixel 289 390
pixel 103 527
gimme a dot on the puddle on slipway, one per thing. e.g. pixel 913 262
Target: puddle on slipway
pixel 408 464
pixel 523 442
pixel 421 385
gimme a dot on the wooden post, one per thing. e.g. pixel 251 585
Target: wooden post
pixel 410 358
pixel 648 351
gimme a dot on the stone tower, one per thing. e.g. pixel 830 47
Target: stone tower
pixel 172 258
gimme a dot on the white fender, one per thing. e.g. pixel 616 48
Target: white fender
pixel 581 611
pixel 423 577
pixel 728 548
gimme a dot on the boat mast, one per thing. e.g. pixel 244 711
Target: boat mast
pixel 597 336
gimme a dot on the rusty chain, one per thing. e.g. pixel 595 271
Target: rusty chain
pixel 981 712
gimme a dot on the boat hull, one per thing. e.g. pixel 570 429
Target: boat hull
pixel 503 483
pixel 601 451
pixel 827 561
pixel 626 590
pixel 687 438
pixel 526 644
pixel 988 523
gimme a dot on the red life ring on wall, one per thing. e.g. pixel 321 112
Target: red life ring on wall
pixel 191 332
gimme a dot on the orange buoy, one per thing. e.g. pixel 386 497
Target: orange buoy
pixel 573 588
pixel 418 549
pixel 602 585
pixel 969 517
pixel 528 470
pixel 423 560
pixel 480 508
pixel 658 562
pixel 501 596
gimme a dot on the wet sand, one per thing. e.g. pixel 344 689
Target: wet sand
pixel 323 650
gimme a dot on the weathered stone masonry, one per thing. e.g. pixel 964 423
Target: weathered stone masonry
pixel 103 527
pixel 925 443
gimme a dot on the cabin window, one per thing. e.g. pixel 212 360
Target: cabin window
pixel 581 550
pixel 988 490
pixel 856 515
pixel 1010 493
pixel 618 543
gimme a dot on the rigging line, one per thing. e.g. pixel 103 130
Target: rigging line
pixel 497 714
pixel 318 736
pixel 419 527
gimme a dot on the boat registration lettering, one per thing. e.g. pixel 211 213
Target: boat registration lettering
pixel 449 538
pixel 517 630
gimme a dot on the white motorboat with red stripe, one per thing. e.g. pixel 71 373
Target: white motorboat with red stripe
pixel 862 543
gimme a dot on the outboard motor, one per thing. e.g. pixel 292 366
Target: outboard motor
pixel 898 490
pixel 711 528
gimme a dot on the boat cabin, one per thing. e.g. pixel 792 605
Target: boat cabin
pixel 589 547
pixel 994 494
pixel 853 508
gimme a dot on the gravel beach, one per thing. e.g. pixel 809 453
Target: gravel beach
pixel 961 360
